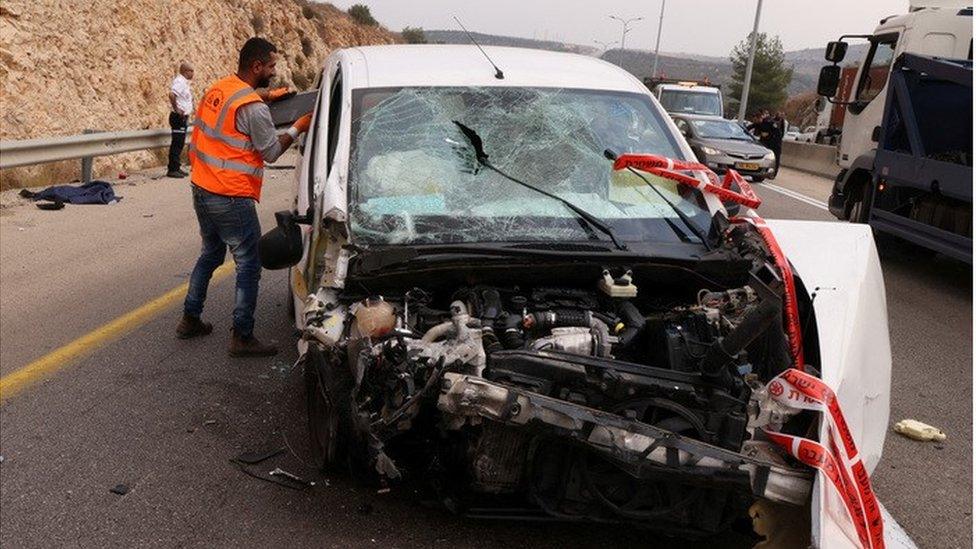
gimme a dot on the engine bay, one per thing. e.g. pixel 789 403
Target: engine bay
pixel 603 401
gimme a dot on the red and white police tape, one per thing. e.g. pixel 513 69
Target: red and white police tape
pixel 793 388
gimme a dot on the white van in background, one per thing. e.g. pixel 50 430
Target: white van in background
pixel 687 96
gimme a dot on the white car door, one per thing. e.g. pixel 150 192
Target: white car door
pixel 312 175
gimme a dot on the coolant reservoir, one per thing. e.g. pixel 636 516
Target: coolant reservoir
pixel 375 317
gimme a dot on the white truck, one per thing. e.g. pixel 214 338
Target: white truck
pixel 933 28
pixel 687 96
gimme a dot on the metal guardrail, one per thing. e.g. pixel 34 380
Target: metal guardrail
pixel 55 149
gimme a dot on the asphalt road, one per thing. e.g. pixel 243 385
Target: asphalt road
pixel 163 416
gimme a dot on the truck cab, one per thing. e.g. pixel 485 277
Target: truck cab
pixel 687 96
pixel 930 28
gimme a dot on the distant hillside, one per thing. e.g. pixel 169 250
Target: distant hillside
pixel 806 63
pixel 640 63
pixel 458 37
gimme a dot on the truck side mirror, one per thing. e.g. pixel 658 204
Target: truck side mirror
pixel 829 78
pixel 835 51
pixel 281 247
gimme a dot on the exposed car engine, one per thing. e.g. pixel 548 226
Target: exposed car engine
pixel 605 402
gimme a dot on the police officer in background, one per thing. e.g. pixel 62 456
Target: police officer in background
pixel 181 105
pixel 233 136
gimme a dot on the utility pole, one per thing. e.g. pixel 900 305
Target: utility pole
pixel 657 46
pixel 626 23
pixel 744 98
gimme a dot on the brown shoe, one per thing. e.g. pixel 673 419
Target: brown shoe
pixel 191 326
pixel 249 346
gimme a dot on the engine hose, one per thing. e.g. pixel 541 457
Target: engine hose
pixel 512 338
pixel 724 350
pixel 543 321
pixel 601 338
pixel 633 324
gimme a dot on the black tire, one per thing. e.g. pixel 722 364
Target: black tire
pixel 857 184
pixel 328 387
pixel 758 179
pixel 289 299
pixel 855 213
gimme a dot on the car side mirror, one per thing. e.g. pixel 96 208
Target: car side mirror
pixel 281 247
pixel 835 51
pixel 829 78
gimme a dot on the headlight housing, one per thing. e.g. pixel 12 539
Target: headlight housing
pixel 710 151
pixel 770 156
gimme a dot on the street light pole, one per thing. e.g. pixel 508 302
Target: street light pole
pixel 744 98
pixel 625 30
pixel 657 46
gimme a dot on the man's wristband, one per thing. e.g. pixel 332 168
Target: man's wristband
pixel 293 132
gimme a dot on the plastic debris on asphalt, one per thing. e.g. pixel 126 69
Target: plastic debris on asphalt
pixel 917 430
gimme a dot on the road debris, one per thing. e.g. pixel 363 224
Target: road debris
pixel 917 430
pixel 210 422
pixel 257 457
pixel 279 472
pixel 120 489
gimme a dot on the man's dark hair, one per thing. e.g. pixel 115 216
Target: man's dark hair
pixel 255 49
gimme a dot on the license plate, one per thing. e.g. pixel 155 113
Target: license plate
pixel 747 166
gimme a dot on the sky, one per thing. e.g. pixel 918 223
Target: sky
pixel 704 27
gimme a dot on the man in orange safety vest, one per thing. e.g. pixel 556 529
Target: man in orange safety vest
pixel 233 136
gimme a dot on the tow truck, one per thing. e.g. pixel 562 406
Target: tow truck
pixel 687 96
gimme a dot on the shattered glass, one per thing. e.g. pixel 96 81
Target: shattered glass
pixel 414 177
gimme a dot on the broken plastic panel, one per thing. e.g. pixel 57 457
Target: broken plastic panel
pixel 414 177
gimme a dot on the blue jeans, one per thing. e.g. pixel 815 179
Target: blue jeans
pixel 226 221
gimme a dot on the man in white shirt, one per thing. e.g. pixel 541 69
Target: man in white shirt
pixel 181 105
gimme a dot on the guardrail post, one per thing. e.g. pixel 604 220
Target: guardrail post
pixel 86 164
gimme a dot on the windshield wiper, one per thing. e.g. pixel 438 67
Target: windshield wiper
pixel 482 157
pixel 681 215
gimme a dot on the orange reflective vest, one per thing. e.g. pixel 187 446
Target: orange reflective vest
pixel 223 160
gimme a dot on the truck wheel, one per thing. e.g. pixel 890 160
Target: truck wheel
pixel 856 211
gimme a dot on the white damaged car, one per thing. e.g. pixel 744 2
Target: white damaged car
pixel 515 283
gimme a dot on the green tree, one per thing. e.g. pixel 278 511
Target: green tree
pixel 360 13
pixel 414 35
pixel 770 76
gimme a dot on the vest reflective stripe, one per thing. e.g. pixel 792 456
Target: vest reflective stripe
pixel 223 112
pixel 227 164
pixel 224 161
pixel 233 142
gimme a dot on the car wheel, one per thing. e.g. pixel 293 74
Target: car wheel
pixel 327 389
pixel 289 299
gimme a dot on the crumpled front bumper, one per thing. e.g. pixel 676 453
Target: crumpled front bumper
pixel 636 447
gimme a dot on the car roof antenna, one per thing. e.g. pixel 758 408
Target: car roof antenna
pixel 498 72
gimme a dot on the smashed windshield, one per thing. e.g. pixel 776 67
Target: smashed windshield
pixel 414 178
pixel 691 102
pixel 720 129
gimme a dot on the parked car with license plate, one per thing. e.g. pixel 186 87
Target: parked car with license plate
pixel 722 144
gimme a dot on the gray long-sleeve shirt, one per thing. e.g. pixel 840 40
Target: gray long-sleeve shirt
pixel 254 119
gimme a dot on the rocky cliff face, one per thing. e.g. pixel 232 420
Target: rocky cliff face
pixel 68 65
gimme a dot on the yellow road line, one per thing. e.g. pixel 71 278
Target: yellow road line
pixel 57 359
